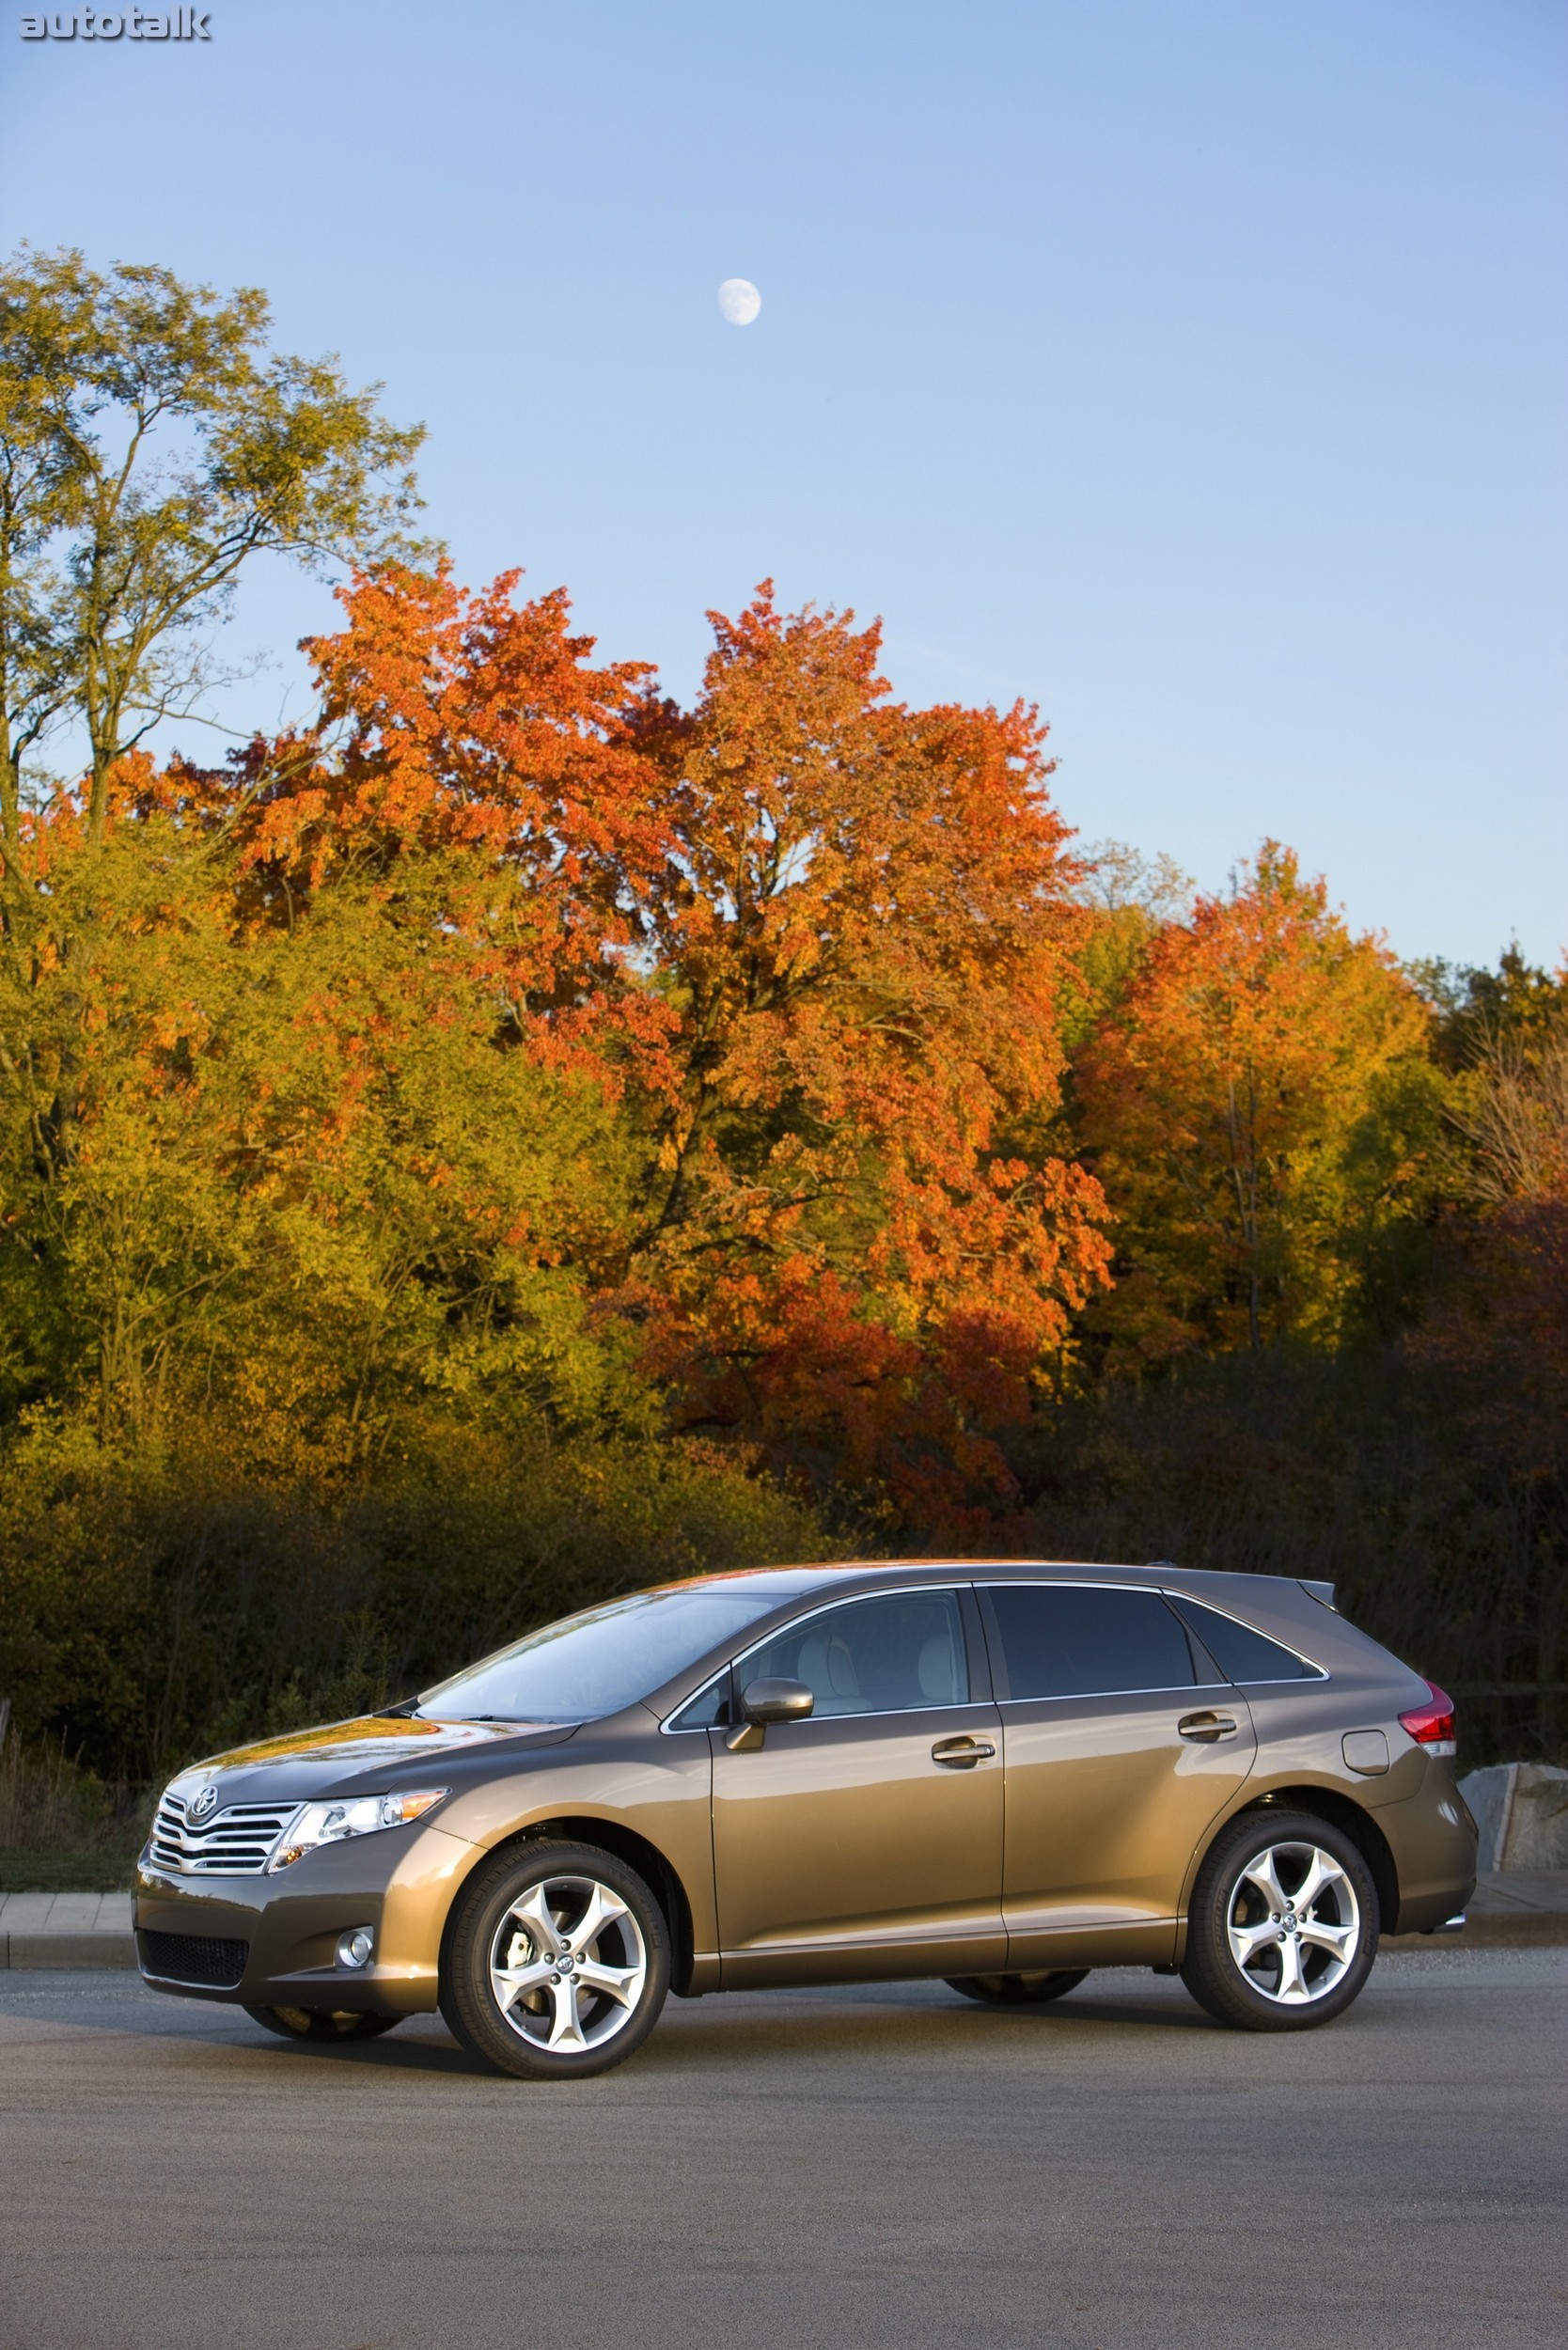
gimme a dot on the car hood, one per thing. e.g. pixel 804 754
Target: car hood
pixel 367 1755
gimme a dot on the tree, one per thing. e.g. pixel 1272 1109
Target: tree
pixel 474 723
pixel 150 446
pixel 812 941
pixel 1475 1011
pixel 1260 1109
pixel 311 1177
pixel 1499 1323
pixel 859 1244
pixel 1128 898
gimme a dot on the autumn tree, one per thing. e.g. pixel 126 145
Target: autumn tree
pixel 1127 900
pixel 1260 1109
pixel 1478 1011
pixel 311 1180
pixel 812 941
pixel 857 1241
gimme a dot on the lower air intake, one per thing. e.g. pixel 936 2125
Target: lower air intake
pixel 209 1960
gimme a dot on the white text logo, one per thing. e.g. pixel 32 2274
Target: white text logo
pixel 129 24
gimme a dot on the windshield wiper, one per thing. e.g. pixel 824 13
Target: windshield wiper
pixel 404 1707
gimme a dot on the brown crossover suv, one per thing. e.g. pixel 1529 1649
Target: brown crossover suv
pixel 1003 1775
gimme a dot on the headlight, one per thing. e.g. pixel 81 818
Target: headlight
pixel 329 1822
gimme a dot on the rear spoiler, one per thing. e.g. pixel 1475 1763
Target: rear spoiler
pixel 1322 1593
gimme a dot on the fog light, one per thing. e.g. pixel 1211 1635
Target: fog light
pixel 356 1947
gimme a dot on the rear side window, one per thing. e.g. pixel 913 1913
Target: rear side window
pixel 1241 1653
pixel 1077 1639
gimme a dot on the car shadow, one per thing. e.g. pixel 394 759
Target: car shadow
pixel 741 2026
pixel 893 2022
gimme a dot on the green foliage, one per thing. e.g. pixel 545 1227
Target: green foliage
pixel 150 446
pixel 1476 1009
pixel 166 1605
pixel 61 1827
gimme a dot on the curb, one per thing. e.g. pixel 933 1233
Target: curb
pixel 68 1949
pixel 1532 1930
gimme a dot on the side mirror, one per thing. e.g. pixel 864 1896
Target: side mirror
pixel 763 1701
pixel 776 1701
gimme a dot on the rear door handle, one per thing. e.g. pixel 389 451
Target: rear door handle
pixel 961 1754
pixel 1205 1728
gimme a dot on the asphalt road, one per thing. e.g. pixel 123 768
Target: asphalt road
pixel 841 2170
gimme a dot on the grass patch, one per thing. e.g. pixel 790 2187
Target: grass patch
pixel 62 1830
pixel 88 1869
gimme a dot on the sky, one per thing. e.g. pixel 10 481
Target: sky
pixel 1199 373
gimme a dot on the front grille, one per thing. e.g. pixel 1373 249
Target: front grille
pixel 205 1958
pixel 235 1842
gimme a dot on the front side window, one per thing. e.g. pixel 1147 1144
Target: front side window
pixel 1081 1639
pixel 600 1661
pixel 885 1656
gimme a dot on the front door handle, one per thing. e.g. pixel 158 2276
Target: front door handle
pixel 961 1754
pixel 1205 1728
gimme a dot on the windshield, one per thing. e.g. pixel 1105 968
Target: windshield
pixel 599 1661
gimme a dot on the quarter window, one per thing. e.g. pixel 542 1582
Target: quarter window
pixel 1082 1640
pixel 1241 1653
pixel 886 1655
pixel 708 1710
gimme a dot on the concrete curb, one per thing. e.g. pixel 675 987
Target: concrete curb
pixel 68 1949
pixel 1539 1930
pixel 66 1930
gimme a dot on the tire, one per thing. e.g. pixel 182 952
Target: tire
pixel 1018 1990
pixel 314 2022
pixel 506 1994
pixel 1283 1925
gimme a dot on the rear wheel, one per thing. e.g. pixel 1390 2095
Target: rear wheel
pixel 556 1964
pixel 1283 1925
pixel 314 2022
pixel 1018 1990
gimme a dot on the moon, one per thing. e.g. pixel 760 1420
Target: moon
pixel 739 301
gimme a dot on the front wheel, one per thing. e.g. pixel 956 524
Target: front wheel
pixel 556 1961
pixel 314 2022
pixel 1018 1990
pixel 1283 1925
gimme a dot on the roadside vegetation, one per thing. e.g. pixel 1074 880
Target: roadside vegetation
pixel 514 1138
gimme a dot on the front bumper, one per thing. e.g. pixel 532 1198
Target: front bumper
pixel 400 1882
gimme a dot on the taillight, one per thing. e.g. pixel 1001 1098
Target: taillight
pixel 1432 1725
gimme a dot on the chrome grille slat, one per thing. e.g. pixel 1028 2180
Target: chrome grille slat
pixel 239 1841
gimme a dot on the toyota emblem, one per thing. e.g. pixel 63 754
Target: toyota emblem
pixel 204 1802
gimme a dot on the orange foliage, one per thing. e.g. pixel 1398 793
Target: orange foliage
pixel 856 1240
pixel 1230 1106
pixel 814 941
pixel 469 721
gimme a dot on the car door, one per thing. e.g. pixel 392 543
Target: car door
pixel 1121 1746
pixel 867 1841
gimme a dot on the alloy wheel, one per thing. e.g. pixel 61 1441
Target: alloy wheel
pixel 1293 1923
pixel 567 1965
